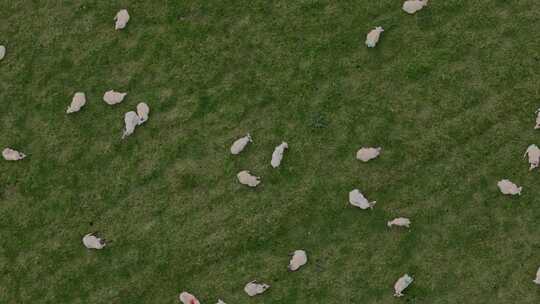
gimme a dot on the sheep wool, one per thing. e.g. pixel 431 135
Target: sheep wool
pixel 413 6
pixel 298 260
pixel 509 188
pixel 357 199
pixel 277 156
pixel 400 222
pixel 367 154
pixel 121 18
pixel 401 284
pixel 187 298
pixel 131 120
pixel 2 52
pixel 91 241
pixel 537 126
pixel 142 111
pixel 373 37
pixel 220 302
pixel 537 279
pixel 112 97
pixel 12 155
pixel 240 144
pixel 245 178
pixel 253 288
pixel 78 101
pixel 533 152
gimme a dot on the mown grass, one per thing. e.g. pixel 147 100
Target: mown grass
pixel 448 93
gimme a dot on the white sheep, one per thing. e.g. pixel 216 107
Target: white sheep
pixel 373 37
pixel 91 241
pixel 537 126
pixel 367 154
pixel 400 222
pixel 131 120
pixel 507 187
pixel 358 200
pixel 112 97
pixel 121 18
pixel 537 279
pixel 277 156
pixel 241 143
pixel 77 102
pixel 533 152
pixel 220 302
pixel 10 154
pixel 413 6
pixel 253 288
pixel 187 298
pixel 142 111
pixel 2 52
pixel 401 284
pixel 245 178
pixel 298 260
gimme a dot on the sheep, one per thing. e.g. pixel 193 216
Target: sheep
pixel 537 279
pixel 507 187
pixel 91 241
pixel 78 101
pixel 367 154
pixel 220 302
pixel 112 97
pixel 121 18
pixel 239 145
pixel 2 52
pixel 277 156
pixel 131 120
pixel 298 260
pixel 373 37
pixel 187 298
pixel 401 284
pixel 413 6
pixel 533 152
pixel 537 126
pixel 245 178
pixel 253 288
pixel 142 111
pixel 400 222
pixel 10 154
pixel 358 200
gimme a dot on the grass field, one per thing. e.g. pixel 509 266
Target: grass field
pixel 449 94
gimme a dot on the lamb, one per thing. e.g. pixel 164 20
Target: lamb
pixel 142 111
pixel 537 120
pixel 78 101
pixel 121 18
pixel 10 154
pixel 298 260
pixel 533 152
pixel 367 154
pixel 131 120
pixel 187 298
pixel 2 52
pixel 509 188
pixel 241 143
pixel 537 279
pixel 413 6
pixel 112 97
pixel 245 178
pixel 277 156
pixel 373 37
pixel 91 241
pixel 401 284
pixel 253 288
pixel 400 222
pixel 358 200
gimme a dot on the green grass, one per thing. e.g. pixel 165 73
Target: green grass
pixel 449 94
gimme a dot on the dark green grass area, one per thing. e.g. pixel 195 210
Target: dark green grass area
pixel 449 94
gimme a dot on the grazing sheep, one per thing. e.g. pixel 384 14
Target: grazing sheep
pixel 507 187
pixel 131 120
pixel 187 298
pixel 78 101
pixel 91 241
pixel 367 154
pixel 298 260
pixel 245 178
pixel 358 200
pixel 413 6
pixel 537 279
pixel 2 52
pixel 277 156
pixel 401 284
pixel 400 222
pixel 239 145
pixel 373 37
pixel 112 97
pixel 253 288
pixel 537 120
pixel 533 152
pixel 142 111
pixel 10 154
pixel 121 18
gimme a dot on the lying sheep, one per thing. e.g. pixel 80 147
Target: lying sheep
pixel 245 178
pixel 533 152
pixel 401 284
pixel 239 145
pixel 2 52
pixel 367 154
pixel 91 241
pixel 277 156
pixel 400 222
pixel 413 6
pixel 537 120
pixel 373 37
pixel 142 111
pixel 131 120
pixel 298 260
pixel 187 298
pixel 253 288
pixel 121 18
pixel 537 279
pixel 507 187
pixel 78 101
pixel 358 200
pixel 112 97
pixel 10 154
